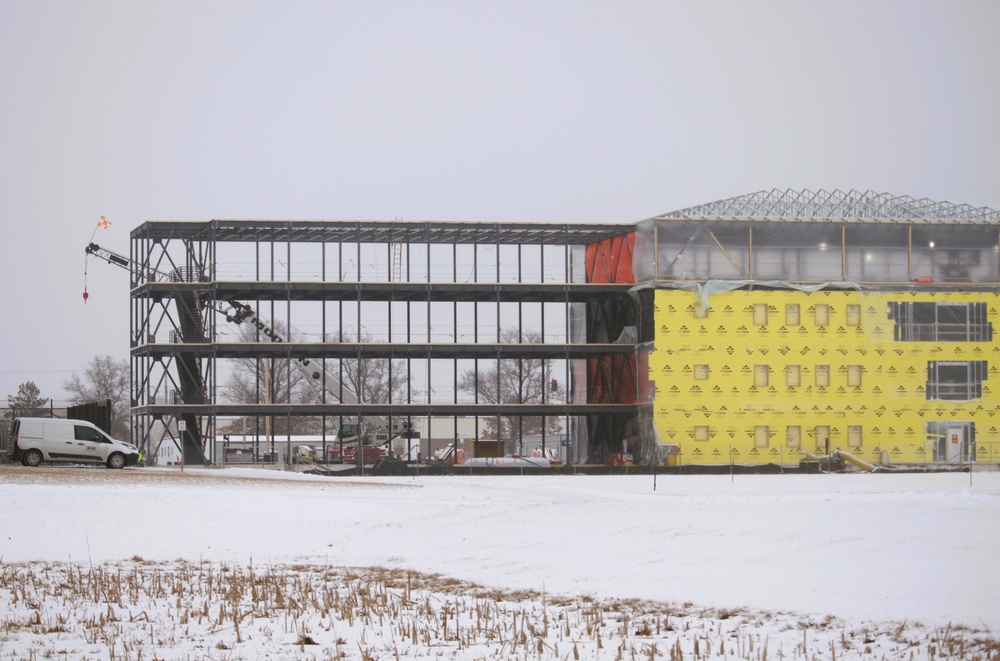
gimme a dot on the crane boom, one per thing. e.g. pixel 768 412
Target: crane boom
pixel 374 432
pixel 311 369
pixel 108 256
pixel 242 312
pixel 115 259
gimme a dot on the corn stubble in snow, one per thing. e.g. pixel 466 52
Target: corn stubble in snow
pixel 140 610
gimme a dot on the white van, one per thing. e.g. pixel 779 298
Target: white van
pixel 76 441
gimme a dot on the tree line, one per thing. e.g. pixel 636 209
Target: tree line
pixel 373 380
pixel 104 378
pixel 384 380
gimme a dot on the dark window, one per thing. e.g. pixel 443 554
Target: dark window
pixel 940 322
pixel 955 380
pixel 82 433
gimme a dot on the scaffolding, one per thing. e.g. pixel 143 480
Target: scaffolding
pixel 449 311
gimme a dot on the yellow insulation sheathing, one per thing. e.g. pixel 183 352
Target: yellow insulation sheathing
pixel 764 376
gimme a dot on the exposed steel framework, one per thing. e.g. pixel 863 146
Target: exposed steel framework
pixel 440 300
pixel 839 205
pixel 818 236
pixel 614 378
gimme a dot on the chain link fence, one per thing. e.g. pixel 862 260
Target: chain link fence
pixel 52 409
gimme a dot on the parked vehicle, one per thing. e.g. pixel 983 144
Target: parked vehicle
pixel 370 454
pixel 36 440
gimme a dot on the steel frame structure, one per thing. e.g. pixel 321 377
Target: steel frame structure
pixel 436 298
pixel 836 205
pixel 870 238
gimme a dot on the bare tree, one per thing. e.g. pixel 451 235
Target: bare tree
pixel 28 402
pixel 277 380
pixel 269 381
pixel 513 381
pixel 104 378
pixel 371 380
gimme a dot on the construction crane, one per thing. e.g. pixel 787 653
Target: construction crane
pixel 192 384
pixel 313 372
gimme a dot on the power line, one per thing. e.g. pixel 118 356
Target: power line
pixel 41 371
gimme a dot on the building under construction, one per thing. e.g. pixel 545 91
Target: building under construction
pixel 752 330
pixel 443 303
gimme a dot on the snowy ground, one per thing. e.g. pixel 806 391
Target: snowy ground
pixel 816 566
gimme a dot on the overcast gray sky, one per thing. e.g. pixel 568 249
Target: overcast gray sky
pixel 500 111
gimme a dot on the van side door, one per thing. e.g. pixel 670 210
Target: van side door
pixel 58 443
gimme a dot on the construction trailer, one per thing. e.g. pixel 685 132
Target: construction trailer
pixel 751 330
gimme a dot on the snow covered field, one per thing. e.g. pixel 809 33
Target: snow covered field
pixel 856 566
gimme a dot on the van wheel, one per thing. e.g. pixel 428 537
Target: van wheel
pixel 32 458
pixel 116 460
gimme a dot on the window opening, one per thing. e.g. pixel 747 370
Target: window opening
pixel 956 380
pixel 821 314
pixel 760 314
pixel 792 314
pixel 793 375
pixel 822 437
pixel 853 314
pixel 939 321
pixel 793 436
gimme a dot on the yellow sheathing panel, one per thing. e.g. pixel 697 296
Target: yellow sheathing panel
pixel 724 371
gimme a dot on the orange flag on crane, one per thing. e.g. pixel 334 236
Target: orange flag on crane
pixel 104 223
